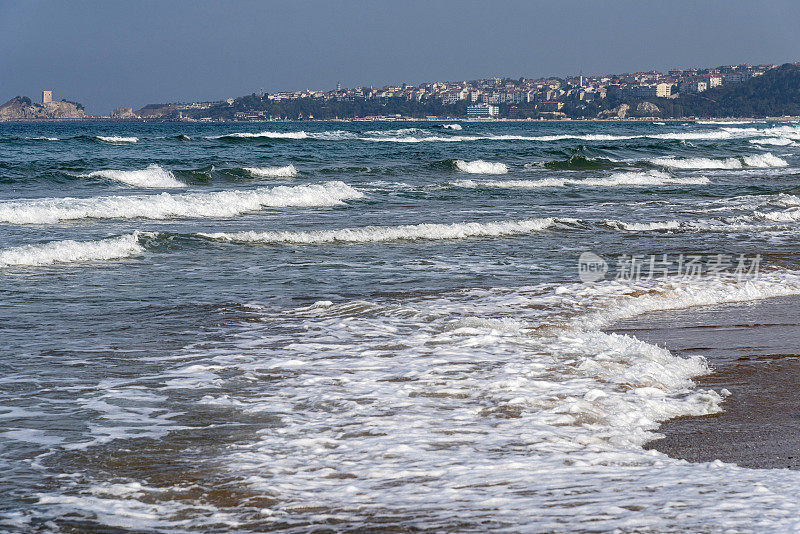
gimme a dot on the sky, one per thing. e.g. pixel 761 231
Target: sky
pixel 113 53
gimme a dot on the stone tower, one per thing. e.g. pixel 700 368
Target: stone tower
pixel 47 96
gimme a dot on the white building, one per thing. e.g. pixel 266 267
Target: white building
pixel 694 87
pixel 482 111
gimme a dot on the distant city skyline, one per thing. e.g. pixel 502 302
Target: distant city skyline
pixel 106 55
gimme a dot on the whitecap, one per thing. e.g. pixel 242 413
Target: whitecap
pixel 758 160
pixel 166 205
pixel 152 176
pixel 116 139
pixel 70 251
pixel 287 171
pixel 480 166
pixel 371 234
pixel 631 179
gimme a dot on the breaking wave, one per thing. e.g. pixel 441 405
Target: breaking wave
pixel 452 126
pixel 335 135
pixel 774 141
pixel 287 171
pixel 675 295
pixel 166 205
pixel 618 179
pixel 152 176
pixel 413 232
pixel 116 140
pixel 480 167
pixel 758 161
pixel 69 251
pixel 642 227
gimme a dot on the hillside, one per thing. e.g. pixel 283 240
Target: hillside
pixel 22 108
pixel 774 94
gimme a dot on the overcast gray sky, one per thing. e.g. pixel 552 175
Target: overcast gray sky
pixel 114 53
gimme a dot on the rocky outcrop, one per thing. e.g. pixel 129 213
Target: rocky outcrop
pixel 157 111
pixel 647 109
pixel 22 108
pixel 619 112
pixel 124 114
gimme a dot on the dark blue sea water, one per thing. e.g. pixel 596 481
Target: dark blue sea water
pixel 375 325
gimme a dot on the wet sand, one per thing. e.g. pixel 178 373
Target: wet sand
pixel 754 350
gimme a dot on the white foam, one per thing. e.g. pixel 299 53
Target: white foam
pixel 643 227
pixel 645 178
pixel 426 139
pixel 788 215
pixel 775 141
pixel 166 205
pixel 675 294
pixel 271 135
pixel 115 139
pixel 723 122
pixel 452 126
pixel 287 171
pixel 758 160
pixel 764 160
pixel 152 176
pixel 371 234
pixel 625 179
pixel 334 135
pixel 69 251
pixel 481 167
pixel 708 135
pixel 535 397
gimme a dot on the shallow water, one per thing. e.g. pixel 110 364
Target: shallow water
pixel 389 333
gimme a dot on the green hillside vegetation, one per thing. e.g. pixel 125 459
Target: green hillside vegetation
pixel 775 93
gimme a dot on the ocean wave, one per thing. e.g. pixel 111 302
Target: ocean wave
pixel 642 227
pixel 287 171
pixel 774 141
pixel 370 234
pixel 480 167
pixel 116 140
pixel 787 215
pixel 152 176
pixel 452 126
pixel 578 162
pixel 69 251
pixel 334 135
pixel 166 205
pixel 709 135
pixel 582 400
pixel 758 161
pixel 615 180
pixel 675 294
pixel 426 139
pixel 271 135
pixel 723 122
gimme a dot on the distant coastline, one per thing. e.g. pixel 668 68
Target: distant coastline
pixel 788 118
pixel 764 94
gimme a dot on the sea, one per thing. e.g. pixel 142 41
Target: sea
pixel 377 326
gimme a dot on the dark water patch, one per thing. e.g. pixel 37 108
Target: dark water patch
pixel 581 163
pixel 202 175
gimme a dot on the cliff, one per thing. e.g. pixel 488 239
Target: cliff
pixel 22 108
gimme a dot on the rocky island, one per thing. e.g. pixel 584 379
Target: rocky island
pixel 23 108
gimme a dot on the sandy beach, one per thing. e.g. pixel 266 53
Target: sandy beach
pixel 754 350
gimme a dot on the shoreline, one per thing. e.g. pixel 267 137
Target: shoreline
pixel 732 120
pixel 753 350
